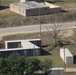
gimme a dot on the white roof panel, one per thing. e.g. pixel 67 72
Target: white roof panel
pixel 67 52
pixel 30 5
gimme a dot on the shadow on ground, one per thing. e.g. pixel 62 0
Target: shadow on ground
pixel 74 59
pixel 44 52
pixel 64 11
pixel 3 7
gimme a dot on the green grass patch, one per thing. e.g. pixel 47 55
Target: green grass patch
pixel 46 40
pixel 56 60
pixel 50 47
pixel 70 73
pixel 7 2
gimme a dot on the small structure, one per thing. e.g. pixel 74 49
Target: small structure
pixel 56 71
pixel 22 0
pixel 66 55
pixel 30 47
pixel 32 8
pixel 39 0
pixel 31 0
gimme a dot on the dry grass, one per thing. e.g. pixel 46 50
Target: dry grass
pixel 47 39
pixel 11 19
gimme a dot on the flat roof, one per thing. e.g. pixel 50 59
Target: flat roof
pixel 30 5
pixel 23 40
pixel 67 52
pixel 28 46
pixel 27 43
pixel 56 69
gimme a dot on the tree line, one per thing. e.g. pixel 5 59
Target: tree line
pixel 23 66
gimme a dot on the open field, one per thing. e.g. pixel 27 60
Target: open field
pixel 7 2
pixel 70 74
pixel 11 19
pixel 46 40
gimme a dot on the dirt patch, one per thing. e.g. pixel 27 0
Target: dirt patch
pixel 69 7
pixel 66 33
pixel 0 38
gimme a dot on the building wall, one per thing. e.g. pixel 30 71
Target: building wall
pixel 68 59
pixel 56 71
pixel 36 42
pixel 23 11
pixel 15 8
pixel 22 52
pixel 32 0
pixel 55 10
pixel 34 12
pixel 22 0
pixel 29 47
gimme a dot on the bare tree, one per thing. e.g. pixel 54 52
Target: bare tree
pixel 55 29
pixel 53 33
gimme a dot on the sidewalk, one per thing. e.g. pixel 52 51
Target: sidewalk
pixel 70 69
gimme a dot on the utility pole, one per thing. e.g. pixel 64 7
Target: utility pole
pixel 40 23
pixel 64 43
pixel 0 2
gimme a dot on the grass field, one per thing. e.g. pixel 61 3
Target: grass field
pixel 7 2
pixel 70 74
pixel 46 39
pixel 11 19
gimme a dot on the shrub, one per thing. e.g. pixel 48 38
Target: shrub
pixel 50 47
pixel 59 43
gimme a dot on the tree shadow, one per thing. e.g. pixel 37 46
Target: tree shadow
pixel 64 11
pixel 74 57
pixel 44 45
pixel 44 52
pixel 3 7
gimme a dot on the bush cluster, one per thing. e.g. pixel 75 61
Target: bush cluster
pixel 22 65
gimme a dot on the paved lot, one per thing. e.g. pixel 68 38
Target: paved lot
pixel 33 28
pixel 70 69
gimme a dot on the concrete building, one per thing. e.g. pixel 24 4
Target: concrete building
pixel 22 0
pixel 66 56
pixel 29 8
pixel 39 0
pixel 32 0
pixel 56 71
pixel 33 8
pixel 30 47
